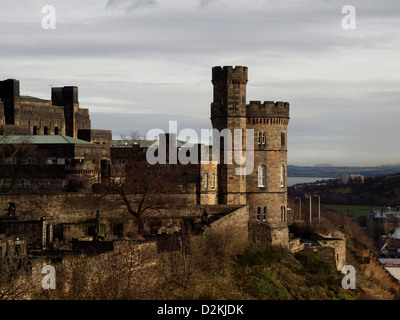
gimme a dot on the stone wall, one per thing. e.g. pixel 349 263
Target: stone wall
pixel 295 245
pixel 234 224
pixel 334 251
pixel 74 207
pixel 262 234
pixel 127 272
pixel 331 249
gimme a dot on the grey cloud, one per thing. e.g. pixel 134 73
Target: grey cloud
pixel 206 3
pixel 135 74
pixel 130 5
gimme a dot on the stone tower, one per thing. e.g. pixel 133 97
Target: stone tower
pixel 9 93
pixel 264 191
pixel 228 111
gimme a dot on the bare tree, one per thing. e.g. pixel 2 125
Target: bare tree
pixel 143 188
pixel 15 277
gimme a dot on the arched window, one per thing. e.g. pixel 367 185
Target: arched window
pixel 35 130
pixel 282 176
pixel 258 213
pixel 46 131
pixel 265 214
pixel 213 181
pixel 206 181
pixel 261 175
pixel 56 130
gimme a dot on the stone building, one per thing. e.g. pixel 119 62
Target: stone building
pixel 48 146
pixel 25 115
pixel 60 132
pixel 49 164
pixel 353 178
pixel 264 191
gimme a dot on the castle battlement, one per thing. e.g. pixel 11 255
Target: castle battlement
pixel 229 73
pixel 267 109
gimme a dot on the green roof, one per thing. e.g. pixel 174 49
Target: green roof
pixel 144 143
pixel 39 139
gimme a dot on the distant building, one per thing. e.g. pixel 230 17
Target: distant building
pixel 354 178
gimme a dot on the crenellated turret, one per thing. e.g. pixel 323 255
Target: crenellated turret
pixel 264 190
pixel 268 109
pixel 229 91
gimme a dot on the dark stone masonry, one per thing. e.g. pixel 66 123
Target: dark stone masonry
pixel 53 164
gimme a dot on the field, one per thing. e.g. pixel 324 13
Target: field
pixel 358 211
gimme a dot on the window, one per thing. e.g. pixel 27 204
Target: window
pixel 261 175
pixel 3 184
pixel 56 130
pixel 259 138
pixel 265 214
pixel 35 130
pixel 46 131
pixel 51 161
pixel 7 184
pixel 282 176
pixel 213 181
pixel 44 184
pixel 64 184
pixel 206 181
pixel 264 138
pixel 31 161
pixel 283 139
pixel 11 160
pixel 258 213
pixel 185 179
pixel 283 213
pixel 24 184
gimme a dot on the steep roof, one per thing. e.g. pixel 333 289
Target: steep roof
pixel 40 139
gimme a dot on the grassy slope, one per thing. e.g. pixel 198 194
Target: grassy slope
pixel 378 191
pixel 265 274
pixel 354 209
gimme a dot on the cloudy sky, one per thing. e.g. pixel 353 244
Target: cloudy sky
pixel 141 63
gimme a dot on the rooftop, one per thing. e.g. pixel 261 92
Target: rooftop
pixel 144 143
pixel 40 139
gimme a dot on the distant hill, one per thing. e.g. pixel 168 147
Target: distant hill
pixel 323 165
pixel 329 171
pixel 376 191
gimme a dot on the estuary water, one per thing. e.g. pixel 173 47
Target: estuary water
pixel 295 180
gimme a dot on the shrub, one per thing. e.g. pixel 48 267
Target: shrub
pixel 265 283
